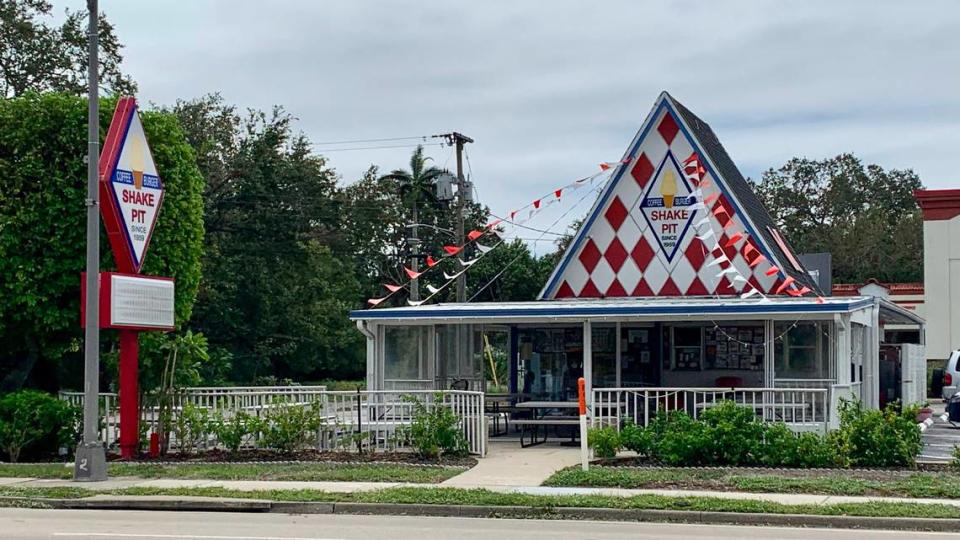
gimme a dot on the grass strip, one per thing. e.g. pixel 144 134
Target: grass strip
pixel 478 497
pixel 915 485
pixel 331 472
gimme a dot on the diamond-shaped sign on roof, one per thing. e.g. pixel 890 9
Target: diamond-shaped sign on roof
pixel 684 214
pixel 131 191
pixel 667 206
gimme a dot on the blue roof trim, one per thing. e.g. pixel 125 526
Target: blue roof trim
pixel 587 310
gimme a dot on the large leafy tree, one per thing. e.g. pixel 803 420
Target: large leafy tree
pixel 42 233
pixel 276 287
pixel 36 56
pixel 864 215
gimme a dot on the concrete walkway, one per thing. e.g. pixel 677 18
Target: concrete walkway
pixel 506 464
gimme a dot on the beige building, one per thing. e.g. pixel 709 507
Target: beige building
pixel 941 269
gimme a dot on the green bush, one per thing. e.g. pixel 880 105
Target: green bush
pixel 679 439
pixel 733 435
pixel 288 427
pixel 36 424
pixel 729 434
pixel 234 429
pixel 435 430
pixel 784 448
pixel 191 428
pixel 955 463
pixel 636 439
pixel 605 441
pixel 872 438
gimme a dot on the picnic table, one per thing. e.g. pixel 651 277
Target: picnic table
pixel 536 426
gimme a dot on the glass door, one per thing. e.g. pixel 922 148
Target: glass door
pixel 604 361
pixel 638 356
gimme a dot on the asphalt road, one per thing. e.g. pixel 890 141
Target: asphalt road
pixel 105 524
pixel 939 439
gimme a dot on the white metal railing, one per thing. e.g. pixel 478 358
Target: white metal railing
pixel 377 419
pixel 840 393
pixel 109 414
pixel 802 409
pixel 803 383
pixel 249 398
pixel 408 384
pixel 366 419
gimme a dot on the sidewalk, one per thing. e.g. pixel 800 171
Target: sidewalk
pixel 506 464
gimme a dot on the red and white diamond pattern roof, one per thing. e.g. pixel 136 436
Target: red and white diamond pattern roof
pixel 620 251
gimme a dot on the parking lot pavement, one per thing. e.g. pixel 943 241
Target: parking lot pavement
pixel 939 440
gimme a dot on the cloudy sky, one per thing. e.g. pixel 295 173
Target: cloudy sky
pixel 549 89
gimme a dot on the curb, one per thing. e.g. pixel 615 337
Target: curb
pixel 514 512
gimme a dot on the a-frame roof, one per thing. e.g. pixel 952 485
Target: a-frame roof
pixel 677 218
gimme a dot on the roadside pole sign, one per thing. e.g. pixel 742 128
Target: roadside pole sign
pixel 130 187
pixel 131 192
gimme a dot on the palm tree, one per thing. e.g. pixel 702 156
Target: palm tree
pixel 417 185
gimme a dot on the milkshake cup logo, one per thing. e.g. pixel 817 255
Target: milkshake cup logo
pixel 668 188
pixel 136 162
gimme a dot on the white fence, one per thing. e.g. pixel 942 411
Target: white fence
pixel 803 383
pixel 803 409
pixel 840 393
pixel 369 420
pixel 377 418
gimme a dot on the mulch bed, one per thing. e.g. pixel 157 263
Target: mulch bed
pixel 304 456
pixel 860 473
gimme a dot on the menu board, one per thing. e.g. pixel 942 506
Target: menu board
pixel 734 347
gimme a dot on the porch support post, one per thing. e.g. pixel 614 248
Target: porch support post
pixel 842 357
pixel 513 360
pixel 769 362
pixel 588 361
pixel 619 350
pixel 871 384
pixel 372 334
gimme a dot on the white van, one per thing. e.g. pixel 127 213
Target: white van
pixel 951 376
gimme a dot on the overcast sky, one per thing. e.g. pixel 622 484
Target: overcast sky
pixel 548 89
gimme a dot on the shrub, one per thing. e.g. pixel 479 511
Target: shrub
pixel 784 448
pixel 435 430
pixel 36 424
pixel 679 439
pixel 955 463
pixel 232 430
pixel 288 427
pixel 604 441
pixel 636 438
pixel 191 427
pixel 872 438
pixel 733 435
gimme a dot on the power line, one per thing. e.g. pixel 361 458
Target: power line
pixel 358 141
pixel 328 150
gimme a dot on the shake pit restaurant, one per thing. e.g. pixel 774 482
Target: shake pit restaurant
pixel 653 304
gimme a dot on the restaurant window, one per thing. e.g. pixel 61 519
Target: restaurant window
pixel 687 350
pixel 798 351
pixel 405 352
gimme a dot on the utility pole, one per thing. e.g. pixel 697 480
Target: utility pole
pixel 459 139
pixel 91 463
pixel 414 243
